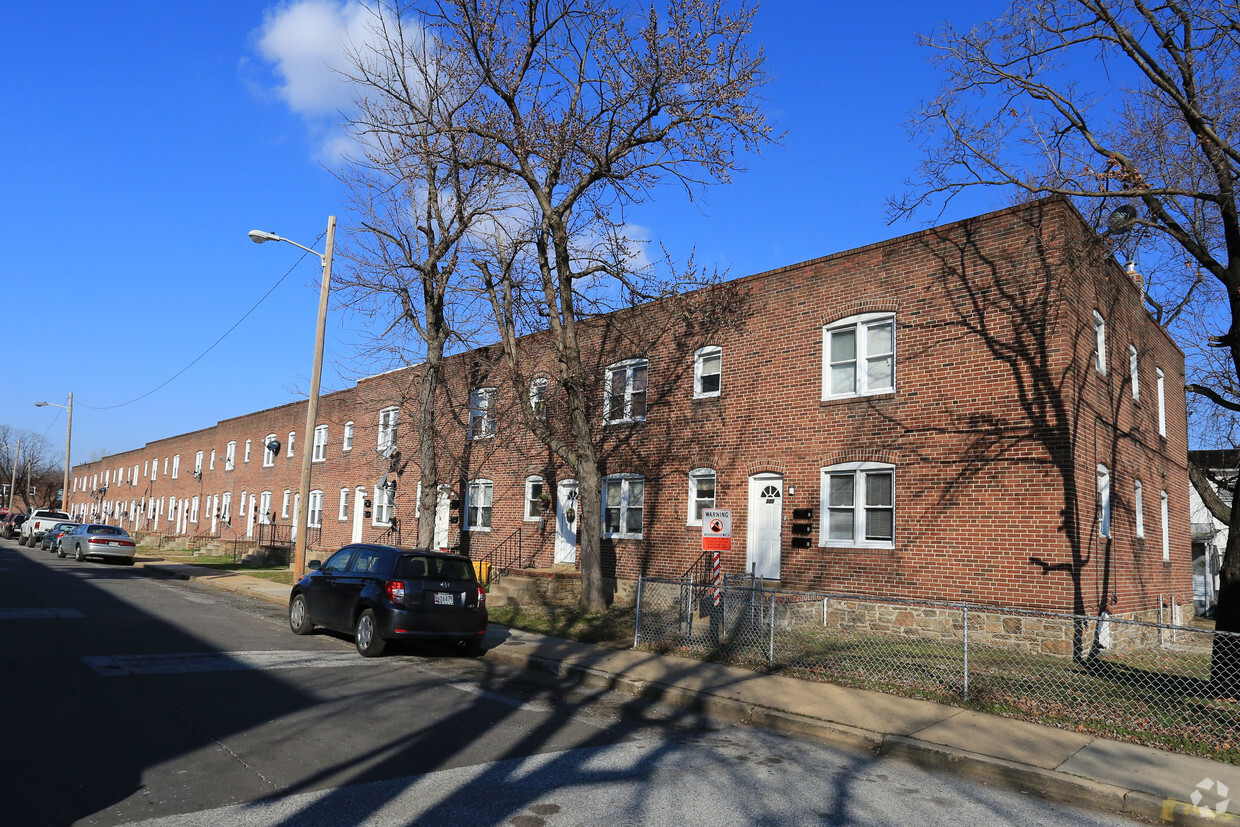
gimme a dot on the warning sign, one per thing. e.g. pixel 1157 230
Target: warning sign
pixel 716 529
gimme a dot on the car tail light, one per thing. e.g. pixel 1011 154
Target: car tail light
pixel 482 597
pixel 97 540
pixel 396 591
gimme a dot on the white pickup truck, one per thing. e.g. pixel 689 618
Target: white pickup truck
pixel 39 521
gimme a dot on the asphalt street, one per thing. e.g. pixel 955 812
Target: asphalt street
pixel 135 699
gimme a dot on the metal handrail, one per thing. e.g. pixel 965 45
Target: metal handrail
pixel 504 557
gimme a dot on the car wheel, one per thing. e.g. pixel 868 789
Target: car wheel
pixel 369 643
pixel 470 648
pixel 128 561
pixel 78 555
pixel 60 552
pixel 298 617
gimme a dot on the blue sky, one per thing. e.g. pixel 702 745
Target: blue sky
pixel 143 140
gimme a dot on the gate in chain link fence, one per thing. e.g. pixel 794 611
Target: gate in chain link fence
pixel 1128 679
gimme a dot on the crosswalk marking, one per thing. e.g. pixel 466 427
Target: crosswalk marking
pixel 184 663
pixel 37 614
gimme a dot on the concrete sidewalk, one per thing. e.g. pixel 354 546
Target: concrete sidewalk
pixel 1079 768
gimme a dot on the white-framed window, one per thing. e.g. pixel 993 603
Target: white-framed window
pixel 859 356
pixel 241 505
pixel 389 422
pixel 707 372
pixel 382 513
pixel 1138 507
pixel 269 456
pixel 284 505
pixel 212 465
pixel 1161 381
pixel 624 505
pixel 1104 501
pixel 145 472
pixel 315 520
pixel 230 456
pixel 1100 343
pixel 343 514
pixel 538 397
pixel 320 444
pixel 226 507
pixel 165 466
pixel 482 413
pixel 478 505
pixel 1133 374
pixel 135 475
pixel 193 510
pixel 624 395
pixel 858 505
pixel 1166 530
pixel 534 489
pixel 348 436
pixel 176 466
pixel 247 451
pixel 292 438
pixel 264 507
pixel 701 493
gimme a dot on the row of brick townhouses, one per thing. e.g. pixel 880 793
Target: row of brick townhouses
pixel 982 411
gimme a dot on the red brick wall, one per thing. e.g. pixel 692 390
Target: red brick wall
pixel 996 427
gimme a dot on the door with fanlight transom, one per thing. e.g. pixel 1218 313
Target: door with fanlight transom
pixel 766 503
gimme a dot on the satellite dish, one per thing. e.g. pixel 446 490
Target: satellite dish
pixel 273 446
pixel 1121 219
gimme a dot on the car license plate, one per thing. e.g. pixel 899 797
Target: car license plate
pixel 113 543
pixel 443 599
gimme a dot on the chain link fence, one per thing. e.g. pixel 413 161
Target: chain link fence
pixel 1154 683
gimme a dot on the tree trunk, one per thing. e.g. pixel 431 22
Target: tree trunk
pixel 428 468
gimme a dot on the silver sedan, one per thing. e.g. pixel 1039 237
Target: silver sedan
pixel 98 540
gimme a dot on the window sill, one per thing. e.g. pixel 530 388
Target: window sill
pixel 858 546
pixel 697 396
pixel 623 421
pixel 622 536
pixel 835 400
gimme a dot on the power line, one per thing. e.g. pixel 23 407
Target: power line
pixel 200 356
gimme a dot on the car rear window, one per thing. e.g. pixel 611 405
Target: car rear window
pixel 434 568
pixel 109 530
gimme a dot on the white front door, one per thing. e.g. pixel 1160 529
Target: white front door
pixel 249 516
pixel 359 511
pixel 443 503
pixel 567 518
pixel 766 499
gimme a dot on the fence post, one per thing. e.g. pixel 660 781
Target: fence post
pixel 965 611
pixel 637 621
pixel 770 658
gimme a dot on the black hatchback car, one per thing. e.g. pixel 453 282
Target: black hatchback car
pixel 380 593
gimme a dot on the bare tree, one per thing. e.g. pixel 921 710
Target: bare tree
pixel 38 467
pixel 586 107
pixel 415 201
pixel 1153 148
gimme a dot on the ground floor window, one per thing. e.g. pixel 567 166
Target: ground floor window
pixel 858 505
pixel 624 499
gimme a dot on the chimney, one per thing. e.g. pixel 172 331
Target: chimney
pixel 1131 269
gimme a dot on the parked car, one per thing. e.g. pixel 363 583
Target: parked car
pixel 12 525
pixel 51 537
pixel 98 540
pixel 39 521
pixel 380 593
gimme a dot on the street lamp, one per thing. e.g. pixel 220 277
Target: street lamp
pixel 312 409
pixel 64 492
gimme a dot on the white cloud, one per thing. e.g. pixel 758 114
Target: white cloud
pixel 305 43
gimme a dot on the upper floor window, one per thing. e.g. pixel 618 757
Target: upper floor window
pixel 624 500
pixel 701 493
pixel 247 451
pixel 1133 375
pixel 538 397
pixel 482 413
pixel 1160 381
pixel 1104 501
pixel 144 467
pixel 292 437
pixel 270 446
pixel 1138 507
pixel 198 463
pixel 320 444
pixel 535 497
pixel 1100 343
pixel 176 466
pixel 858 505
pixel 1166 531
pixel 625 393
pixel 389 420
pixel 478 505
pixel 348 436
pixel 707 372
pixel 859 356
pixel 212 459
pixel 230 456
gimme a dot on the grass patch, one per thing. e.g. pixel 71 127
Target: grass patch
pixel 225 563
pixel 613 625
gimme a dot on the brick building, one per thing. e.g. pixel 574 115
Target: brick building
pixel 983 411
